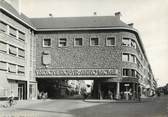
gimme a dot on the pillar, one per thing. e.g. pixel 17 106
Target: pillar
pixel 99 91
pixel 118 91
pixel 134 92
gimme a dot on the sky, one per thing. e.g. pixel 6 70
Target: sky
pixel 150 18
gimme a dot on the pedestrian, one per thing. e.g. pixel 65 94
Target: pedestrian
pixel 139 94
pixel 110 94
pixel 11 98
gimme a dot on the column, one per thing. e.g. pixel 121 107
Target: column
pixel 99 91
pixel 118 91
pixel 134 92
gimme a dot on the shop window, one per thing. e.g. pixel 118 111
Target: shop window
pixel 3 27
pixel 21 53
pixel 12 50
pixel 3 66
pixel 62 42
pixel 78 42
pixel 3 47
pixel 11 68
pixel 110 41
pixel 47 42
pixel 94 41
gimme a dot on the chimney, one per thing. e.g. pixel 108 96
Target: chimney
pixel 118 14
pixel 94 13
pixel 131 24
pixel 50 15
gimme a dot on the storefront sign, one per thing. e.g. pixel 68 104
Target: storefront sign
pixel 75 72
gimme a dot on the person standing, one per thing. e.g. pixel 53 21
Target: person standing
pixel 110 94
pixel 11 98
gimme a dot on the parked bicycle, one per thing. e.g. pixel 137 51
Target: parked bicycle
pixel 9 103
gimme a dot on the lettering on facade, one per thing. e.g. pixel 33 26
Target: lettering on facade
pixel 76 72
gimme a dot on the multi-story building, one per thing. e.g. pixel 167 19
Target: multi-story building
pixel 16 54
pixel 99 48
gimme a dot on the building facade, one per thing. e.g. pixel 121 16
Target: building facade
pixel 99 48
pixel 16 54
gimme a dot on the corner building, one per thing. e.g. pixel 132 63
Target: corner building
pixel 41 54
pixel 99 48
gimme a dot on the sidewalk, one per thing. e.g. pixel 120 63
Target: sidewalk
pixel 21 103
pixel 147 99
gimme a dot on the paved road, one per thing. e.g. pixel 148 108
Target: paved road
pixel 77 108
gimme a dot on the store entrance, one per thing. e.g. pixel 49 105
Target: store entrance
pixel 21 90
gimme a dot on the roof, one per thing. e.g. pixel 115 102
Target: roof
pixel 13 12
pixel 78 22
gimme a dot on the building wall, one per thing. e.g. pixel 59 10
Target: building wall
pixel 86 56
pixel 16 60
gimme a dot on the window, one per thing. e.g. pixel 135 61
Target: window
pixel 129 42
pixel 21 36
pixel 94 41
pixel 12 68
pixel 3 47
pixel 12 31
pixel 3 66
pixel 110 41
pixel 12 50
pixel 133 44
pixel 21 53
pixel 125 72
pixel 129 72
pixel 131 58
pixel 47 42
pixel 78 42
pixel 21 69
pixel 3 27
pixel 62 42
pixel 126 41
pixel 125 57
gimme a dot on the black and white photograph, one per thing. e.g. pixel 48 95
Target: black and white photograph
pixel 83 58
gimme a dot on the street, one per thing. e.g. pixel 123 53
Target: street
pixel 157 107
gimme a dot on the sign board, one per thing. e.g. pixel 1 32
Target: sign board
pixel 76 72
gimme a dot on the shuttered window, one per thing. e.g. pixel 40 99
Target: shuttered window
pixel 21 69
pixel 21 36
pixel 12 68
pixel 3 27
pixel 12 50
pixel 3 47
pixel 12 31
pixel 3 66
pixel 21 53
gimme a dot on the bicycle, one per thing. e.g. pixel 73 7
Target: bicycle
pixel 9 103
